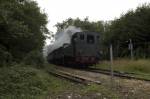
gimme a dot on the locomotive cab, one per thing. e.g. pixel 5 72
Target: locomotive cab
pixel 86 47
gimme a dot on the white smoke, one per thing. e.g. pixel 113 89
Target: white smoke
pixel 61 38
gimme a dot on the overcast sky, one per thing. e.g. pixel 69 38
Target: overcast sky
pixel 59 10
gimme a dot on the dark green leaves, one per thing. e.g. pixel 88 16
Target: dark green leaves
pixel 22 27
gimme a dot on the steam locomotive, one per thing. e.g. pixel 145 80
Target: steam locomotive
pixel 82 50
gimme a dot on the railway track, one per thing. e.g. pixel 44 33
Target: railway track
pixel 64 72
pixel 73 77
pixel 116 73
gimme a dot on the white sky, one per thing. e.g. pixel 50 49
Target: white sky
pixel 59 10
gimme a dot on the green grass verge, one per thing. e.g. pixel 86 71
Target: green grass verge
pixel 102 92
pixel 140 67
pixel 19 81
pixel 26 82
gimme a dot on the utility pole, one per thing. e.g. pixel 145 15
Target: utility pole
pixel 131 48
pixel 111 64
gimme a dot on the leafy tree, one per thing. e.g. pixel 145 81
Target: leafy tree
pixel 133 25
pixel 35 58
pixel 83 24
pixel 22 27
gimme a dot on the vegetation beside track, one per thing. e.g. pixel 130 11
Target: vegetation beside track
pixel 138 68
pixel 28 82
pixel 22 82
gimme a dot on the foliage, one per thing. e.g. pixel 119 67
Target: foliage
pixel 133 25
pixel 34 58
pixel 21 81
pixel 140 67
pixel 5 57
pixel 22 27
pixel 26 82
pixel 83 24
pixel 103 91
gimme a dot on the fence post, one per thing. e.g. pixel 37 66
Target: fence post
pixel 111 63
pixel 131 48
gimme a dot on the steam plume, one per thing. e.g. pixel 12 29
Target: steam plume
pixel 61 38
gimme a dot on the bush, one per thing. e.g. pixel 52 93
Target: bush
pixel 5 57
pixel 19 81
pixel 34 58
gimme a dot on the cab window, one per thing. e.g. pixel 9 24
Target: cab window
pixel 90 39
pixel 75 37
pixel 81 36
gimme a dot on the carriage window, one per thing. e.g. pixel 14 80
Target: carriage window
pixel 82 37
pixel 90 39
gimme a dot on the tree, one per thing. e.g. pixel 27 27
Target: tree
pixel 133 25
pixel 22 27
pixel 85 25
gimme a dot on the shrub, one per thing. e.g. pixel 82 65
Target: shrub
pixel 21 81
pixel 34 58
pixel 5 57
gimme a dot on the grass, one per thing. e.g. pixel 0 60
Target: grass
pixel 103 91
pixel 26 82
pixel 19 81
pixel 140 67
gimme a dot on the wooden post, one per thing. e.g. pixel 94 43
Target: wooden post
pixel 131 48
pixel 111 64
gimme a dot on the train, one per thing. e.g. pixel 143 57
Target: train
pixel 83 50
